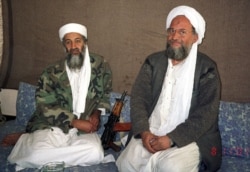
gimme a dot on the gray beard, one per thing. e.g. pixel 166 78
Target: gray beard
pixel 75 62
pixel 178 54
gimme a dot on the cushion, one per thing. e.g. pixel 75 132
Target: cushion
pixel 8 101
pixel 25 105
pixel 234 164
pixel 234 120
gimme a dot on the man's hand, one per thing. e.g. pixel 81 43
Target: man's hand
pixel 155 143
pixel 160 143
pixel 147 138
pixel 90 125
pixel 94 119
pixel 83 125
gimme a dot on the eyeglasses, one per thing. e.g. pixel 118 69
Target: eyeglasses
pixel 181 32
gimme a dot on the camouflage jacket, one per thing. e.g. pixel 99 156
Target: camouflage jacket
pixel 54 95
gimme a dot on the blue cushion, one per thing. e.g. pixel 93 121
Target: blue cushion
pixel 234 164
pixel 234 120
pixel 25 105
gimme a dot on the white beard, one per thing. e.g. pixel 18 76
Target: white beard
pixel 75 62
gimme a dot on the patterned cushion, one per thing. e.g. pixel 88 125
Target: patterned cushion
pixel 25 105
pixel 234 120
pixel 234 164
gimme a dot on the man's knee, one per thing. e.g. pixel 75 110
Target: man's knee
pixel 97 152
pixel 177 159
pixel 169 165
pixel 175 164
pixel 123 163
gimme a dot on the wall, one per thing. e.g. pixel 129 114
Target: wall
pixel 125 32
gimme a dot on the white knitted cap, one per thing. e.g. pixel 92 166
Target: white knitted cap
pixel 72 27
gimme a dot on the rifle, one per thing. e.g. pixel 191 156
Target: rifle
pixel 109 132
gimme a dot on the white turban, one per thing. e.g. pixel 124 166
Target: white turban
pixel 72 27
pixel 193 16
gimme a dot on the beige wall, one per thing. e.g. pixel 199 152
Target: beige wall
pixel 125 32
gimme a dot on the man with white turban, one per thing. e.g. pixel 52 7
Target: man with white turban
pixel 175 104
pixel 69 97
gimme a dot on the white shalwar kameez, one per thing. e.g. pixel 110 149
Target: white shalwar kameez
pixel 160 124
pixel 42 146
pixel 171 109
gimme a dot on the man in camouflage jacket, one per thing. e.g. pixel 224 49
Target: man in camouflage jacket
pixel 54 95
pixel 69 96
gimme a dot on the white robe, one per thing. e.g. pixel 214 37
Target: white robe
pixel 33 150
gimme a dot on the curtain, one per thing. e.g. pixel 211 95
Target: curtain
pixel 1 34
pixel 5 40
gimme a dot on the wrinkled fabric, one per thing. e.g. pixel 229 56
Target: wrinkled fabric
pixel 174 159
pixel 33 150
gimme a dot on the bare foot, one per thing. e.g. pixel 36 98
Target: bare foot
pixel 10 139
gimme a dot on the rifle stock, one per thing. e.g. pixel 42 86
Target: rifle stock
pixel 109 132
pixel 126 126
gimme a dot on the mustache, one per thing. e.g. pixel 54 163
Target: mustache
pixel 74 50
pixel 174 41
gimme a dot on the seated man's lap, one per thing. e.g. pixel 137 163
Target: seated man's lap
pixel 135 156
pixel 50 145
